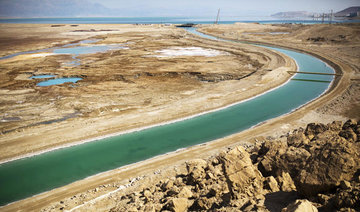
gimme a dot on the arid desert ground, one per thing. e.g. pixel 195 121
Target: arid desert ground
pixel 154 79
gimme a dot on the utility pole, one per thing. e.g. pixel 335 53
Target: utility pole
pixel 323 17
pixel 331 16
pixel 217 17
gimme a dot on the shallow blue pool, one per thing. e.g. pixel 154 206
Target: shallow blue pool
pixel 58 81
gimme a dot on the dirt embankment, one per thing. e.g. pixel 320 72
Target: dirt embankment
pixel 123 89
pixel 317 168
pixel 339 42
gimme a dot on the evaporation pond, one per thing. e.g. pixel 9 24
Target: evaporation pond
pixel 87 49
pixel 42 76
pixel 58 81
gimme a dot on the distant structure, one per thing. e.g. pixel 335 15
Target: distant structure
pixel 324 16
pixel 217 17
pixel 351 12
pixel 331 17
pixel 186 25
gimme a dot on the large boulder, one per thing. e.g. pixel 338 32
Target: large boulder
pixel 318 165
pixel 242 176
pixel 332 160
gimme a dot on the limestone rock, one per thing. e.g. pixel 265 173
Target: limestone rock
pixel 313 129
pixel 216 170
pixel 203 203
pixel 147 195
pixel 335 126
pixel 265 166
pixel 185 192
pixel 297 139
pixel 173 191
pixel 196 172
pixel 178 204
pixel 286 182
pixel 132 209
pixel 271 184
pixel 315 166
pixel 300 206
pixel 351 123
pixel 347 199
pixel 167 185
pixel 242 176
pixel 349 134
pixel 332 160
pixel 323 199
pixel 195 164
pixel 179 182
pixel 345 184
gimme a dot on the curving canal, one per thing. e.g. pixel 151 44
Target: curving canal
pixel 30 176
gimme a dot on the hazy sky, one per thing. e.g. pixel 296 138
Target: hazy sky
pixel 229 7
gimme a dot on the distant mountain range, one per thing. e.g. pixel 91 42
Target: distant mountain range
pixel 348 12
pixel 85 8
pixel 53 8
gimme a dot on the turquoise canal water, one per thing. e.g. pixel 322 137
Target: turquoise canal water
pixel 29 176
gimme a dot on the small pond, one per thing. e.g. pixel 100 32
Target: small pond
pixel 58 81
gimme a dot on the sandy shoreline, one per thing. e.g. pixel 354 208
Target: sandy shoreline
pixel 178 156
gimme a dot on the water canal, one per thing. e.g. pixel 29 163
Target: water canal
pixel 30 176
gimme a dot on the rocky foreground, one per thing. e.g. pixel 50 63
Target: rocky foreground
pixel 312 169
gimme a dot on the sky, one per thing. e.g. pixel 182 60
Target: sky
pixel 228 7
pixel 249 9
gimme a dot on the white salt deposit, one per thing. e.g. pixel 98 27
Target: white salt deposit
pixel 188 51
pixel 40 54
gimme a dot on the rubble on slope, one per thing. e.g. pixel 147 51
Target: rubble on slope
pixel 315 168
